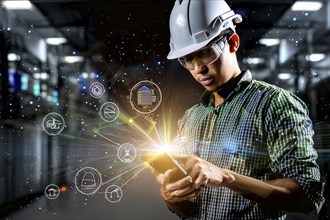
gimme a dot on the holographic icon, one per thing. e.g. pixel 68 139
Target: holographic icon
pixel 52 191
pixel 53 123
pixel 109 111
pixel 126 153
pixel 96 90
pixel 145 97
pixel 88 180
pixel 113 193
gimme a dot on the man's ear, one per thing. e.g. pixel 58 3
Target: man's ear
pixel 233 42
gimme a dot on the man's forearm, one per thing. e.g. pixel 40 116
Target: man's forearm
pixel 281 194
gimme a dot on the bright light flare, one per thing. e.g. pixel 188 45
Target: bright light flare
pixel 56 40
pixel 269 41
pixel 315 57
pixel 164 148
pixel 72 59
pixel 17 5
pixel 306 6
pixel 285 76
pixel 13 57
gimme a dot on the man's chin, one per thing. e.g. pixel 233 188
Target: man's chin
pixel 211 88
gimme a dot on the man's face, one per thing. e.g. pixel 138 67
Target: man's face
pixel 213 75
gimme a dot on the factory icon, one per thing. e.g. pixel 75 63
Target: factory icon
pixel 145 96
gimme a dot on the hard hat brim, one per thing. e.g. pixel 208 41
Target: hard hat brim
pixel 187 50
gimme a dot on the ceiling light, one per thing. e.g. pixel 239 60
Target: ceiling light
pixel 37 75
pixel 269 41
pixel 73 59
pixel 306 6
pixel 315 57
pixel 42 76
pixel 254 60
pixel 56 40
pixel 284 76
pixel 13 57
pixel 84 75
pixel 17 5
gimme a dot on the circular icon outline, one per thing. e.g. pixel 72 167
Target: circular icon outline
pixel 155 107
pixel 57 190
pixel 60 130
pixel 120 150
pixel 115 108
pixel 96 85
pixel 116 190
pixel 96 188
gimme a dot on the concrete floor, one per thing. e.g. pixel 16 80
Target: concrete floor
pixel 139 201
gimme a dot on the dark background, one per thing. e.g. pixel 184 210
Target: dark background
pixel 123 42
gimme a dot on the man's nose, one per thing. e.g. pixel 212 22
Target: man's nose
pixel 199 65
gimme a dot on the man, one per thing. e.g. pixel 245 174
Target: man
pixel 247 146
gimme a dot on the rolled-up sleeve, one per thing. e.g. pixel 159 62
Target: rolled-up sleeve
pixel 290 145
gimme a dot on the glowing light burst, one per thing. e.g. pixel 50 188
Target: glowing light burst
pixel 99 140
pixel 143 130
pixel 132 169
pixel 158 138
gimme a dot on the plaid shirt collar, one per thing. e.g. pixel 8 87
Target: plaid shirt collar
pixel 228 89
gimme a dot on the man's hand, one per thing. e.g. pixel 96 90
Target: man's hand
pixel 203 173
pixel 178 191
pixel 280 194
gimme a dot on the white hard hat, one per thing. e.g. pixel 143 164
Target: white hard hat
pixel 194 23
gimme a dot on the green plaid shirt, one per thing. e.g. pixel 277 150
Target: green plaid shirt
pixel 260 131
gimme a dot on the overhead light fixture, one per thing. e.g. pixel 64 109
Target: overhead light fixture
pixel 306 6
pixel 315 57
pixel 13 57
pixel 254 60
pixel 284 76
pixel 42 76
pixel 36 75
pixel 84 75
pixel 17 5
pixel 269 41
pixel 73 59
pixel 56 40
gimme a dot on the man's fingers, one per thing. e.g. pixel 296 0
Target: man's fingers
pixel 186 191
pixel 172 171
pixel 154 171
pixel 167 176
pixel 192 194
pixel 159 176
pixel 201 181
pixel 180 184
pixel 182 189
pixel 162 178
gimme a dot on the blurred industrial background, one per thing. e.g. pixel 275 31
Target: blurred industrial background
pixel 51 51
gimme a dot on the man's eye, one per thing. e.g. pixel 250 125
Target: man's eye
pixel 188 58
pixel 205 53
